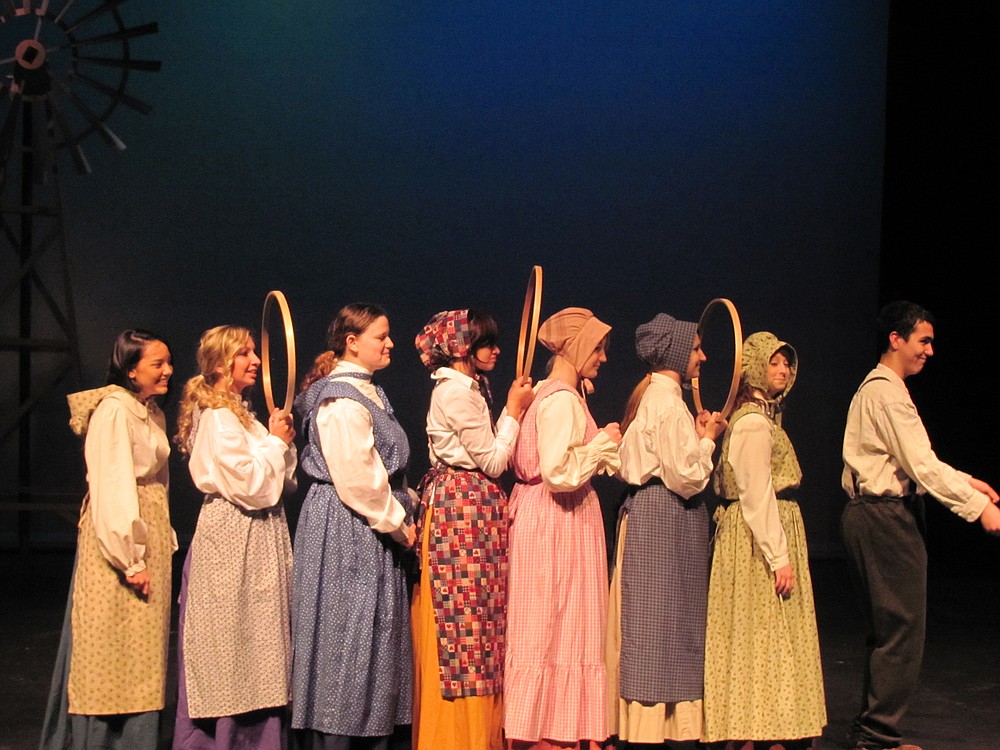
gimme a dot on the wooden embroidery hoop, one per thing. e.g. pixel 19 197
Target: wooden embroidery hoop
pixel 737 358
pixel 530 314
pixel 277 297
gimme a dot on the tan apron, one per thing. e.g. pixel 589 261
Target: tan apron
pixel 118 662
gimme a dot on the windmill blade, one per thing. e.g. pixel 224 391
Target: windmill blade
pixel 106 7
pixel 118 96
pixel 153 66
pixel 116 36
pixel 66 7
pixel 75 150
pixel 103 130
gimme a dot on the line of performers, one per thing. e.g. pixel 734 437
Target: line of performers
pixel 485 622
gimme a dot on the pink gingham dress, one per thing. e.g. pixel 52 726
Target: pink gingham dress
pixel 554 681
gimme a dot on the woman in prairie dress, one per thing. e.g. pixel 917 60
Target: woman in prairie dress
pixel 460 603
pixel 234 635
pixel 352 671
pixel 763 678
pixel 554 681
pixel 659 590
pixel 110 677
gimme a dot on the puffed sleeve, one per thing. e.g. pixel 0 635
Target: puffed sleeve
pixel 565 462
pixel 466 414
pixel 750 448
pixel 356 469
pixel 685 459
pixel 114 499
pixel 249 471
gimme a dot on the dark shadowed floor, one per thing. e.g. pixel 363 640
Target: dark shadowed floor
pixel 957 706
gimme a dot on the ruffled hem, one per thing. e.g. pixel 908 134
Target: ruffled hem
pixel 564 703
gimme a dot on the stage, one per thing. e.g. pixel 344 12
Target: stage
pixel 955 707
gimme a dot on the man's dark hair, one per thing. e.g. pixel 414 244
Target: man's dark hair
pixel 902 317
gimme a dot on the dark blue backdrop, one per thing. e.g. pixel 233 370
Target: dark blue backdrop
pixel 650 155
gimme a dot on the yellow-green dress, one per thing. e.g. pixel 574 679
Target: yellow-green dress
pixel 111 670
pixel 763 677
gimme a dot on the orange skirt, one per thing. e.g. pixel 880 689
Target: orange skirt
pixel 471 723
pixel 553 745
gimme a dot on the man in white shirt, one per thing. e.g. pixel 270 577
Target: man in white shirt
pixel 888 466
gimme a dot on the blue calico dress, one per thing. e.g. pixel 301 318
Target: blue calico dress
pixel 352 671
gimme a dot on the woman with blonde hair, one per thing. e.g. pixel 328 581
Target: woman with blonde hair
pixel 353 670
pixel 554 682
pixel 460 604
pixel 763 677
pixel 109 684
pixel 234 634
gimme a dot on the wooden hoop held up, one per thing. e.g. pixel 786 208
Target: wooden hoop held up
pixel 277 297
pixel 530 314
pixel 737 358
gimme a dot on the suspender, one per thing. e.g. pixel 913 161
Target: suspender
pixel 854 477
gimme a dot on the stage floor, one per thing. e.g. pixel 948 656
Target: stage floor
pixel 956 707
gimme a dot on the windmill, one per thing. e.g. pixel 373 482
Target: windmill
pixel 64 69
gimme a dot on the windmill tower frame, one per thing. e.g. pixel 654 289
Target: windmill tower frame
pixel 64 69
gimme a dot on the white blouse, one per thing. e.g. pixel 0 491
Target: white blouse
pixel 887 449
pixel 347 438
pixel 459 429
pixel 750 446
pixel 565 462
pixel 126 443
pixel 248 467
pixel 661 442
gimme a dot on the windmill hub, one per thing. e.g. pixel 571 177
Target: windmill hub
pixel 30 54
pixel 31 76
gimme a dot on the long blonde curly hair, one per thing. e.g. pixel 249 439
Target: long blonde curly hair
pixel 217 351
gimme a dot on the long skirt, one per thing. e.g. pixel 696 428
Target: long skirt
pixel 664 596
pixel 661 583
pixel 633 721
pixel 237 625
pixel 265 729
pixel 109 682
pixel 118 663
pixel 555 679
pixel 468 723
pixel 62 730
pixel 352 670
pixel 763 677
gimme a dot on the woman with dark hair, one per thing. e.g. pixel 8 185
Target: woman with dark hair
pixel 234 635
pixel 554 678
pixel 763 678
pixel 459 606
pixel 659 588
pixel 352 674
pixel 110 676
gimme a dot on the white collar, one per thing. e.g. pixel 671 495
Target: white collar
pixel 343 366
pixel 447 373
pixel 667 382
